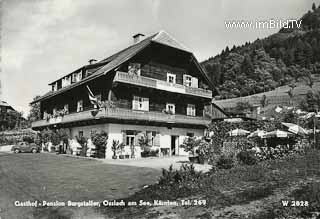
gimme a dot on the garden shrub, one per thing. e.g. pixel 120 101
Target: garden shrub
pixel 247 157
pixel 225 162
pixel 28 139
pixel 149 153
pixel 100 140
pixel 186 173
pixel 83 142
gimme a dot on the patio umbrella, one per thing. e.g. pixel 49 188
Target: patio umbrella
pixel 277 134
pixel 296 129
pixel 238 132
pixel 257 133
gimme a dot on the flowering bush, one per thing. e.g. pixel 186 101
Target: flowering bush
pixel 247 157
pixel 225 162
pixel 190 144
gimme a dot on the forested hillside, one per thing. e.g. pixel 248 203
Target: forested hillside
pixel 280 59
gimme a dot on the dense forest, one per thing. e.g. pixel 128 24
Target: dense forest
pixel 280 59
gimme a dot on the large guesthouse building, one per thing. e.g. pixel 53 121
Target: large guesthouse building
pixel 155 88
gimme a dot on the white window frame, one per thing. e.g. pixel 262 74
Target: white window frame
pixel 188 81
pixel 130 138
pixel 45 114
pixel 174 78
pixel 80 105
pixel 171 105
pixel 191 110
pixel 141 102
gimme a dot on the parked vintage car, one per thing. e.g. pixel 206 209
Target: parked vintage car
pixel 25 147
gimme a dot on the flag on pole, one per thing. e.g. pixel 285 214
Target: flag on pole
pixel 93 99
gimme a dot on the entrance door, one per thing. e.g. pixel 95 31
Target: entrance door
pixel 174 145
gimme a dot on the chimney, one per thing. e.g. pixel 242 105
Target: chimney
pixel 137 38
pixel 91 61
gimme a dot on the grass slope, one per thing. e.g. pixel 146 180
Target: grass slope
pixel 242 192
pixel 276 97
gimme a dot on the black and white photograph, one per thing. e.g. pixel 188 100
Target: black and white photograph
pixel 165 109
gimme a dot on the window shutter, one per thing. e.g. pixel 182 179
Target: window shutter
pixel 184 79
pixel 137 137
pixel 135 103
pixel 157 139
pixel 146 104
pixel 194 82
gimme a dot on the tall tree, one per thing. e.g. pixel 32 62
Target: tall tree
pixel 314 6
pixel 34 113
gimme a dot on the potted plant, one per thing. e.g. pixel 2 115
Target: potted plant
pixel 114 148
pixel 121 149
pixel 83 142
pixel 132 148
pixel 189 144
pixel 145 147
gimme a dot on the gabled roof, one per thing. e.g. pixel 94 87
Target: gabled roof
pixel 115 60
pixel 5 104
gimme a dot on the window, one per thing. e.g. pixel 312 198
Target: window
pixel 79 76
pixel 171 78
pixel 188 80
pixel 191 110
pixel 66 108
pixel 80 134
pixel 55 86
pixel 134 68
pixel 140 103
pixel 151 135
pixel 45 114
pixel 74 78
pixel 79 106
pixel 171 108
pixel 129 137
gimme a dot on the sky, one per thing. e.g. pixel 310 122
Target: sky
pixel 42 40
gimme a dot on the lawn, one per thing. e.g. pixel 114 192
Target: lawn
pixel 242 192
pixel 52 177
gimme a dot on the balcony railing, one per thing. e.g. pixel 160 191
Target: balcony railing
pixel 124 77
pixel 124 114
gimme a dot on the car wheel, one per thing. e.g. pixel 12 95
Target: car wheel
pixel 16 151
pixel 34 150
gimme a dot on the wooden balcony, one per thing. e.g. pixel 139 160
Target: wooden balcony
pixel 118 114
pixel 124 77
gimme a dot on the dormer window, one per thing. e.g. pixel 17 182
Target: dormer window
pixel 171 78
pixel 55 86
pixel 74 77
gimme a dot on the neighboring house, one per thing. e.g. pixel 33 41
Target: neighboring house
pixel 5 109
pixel 156 87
